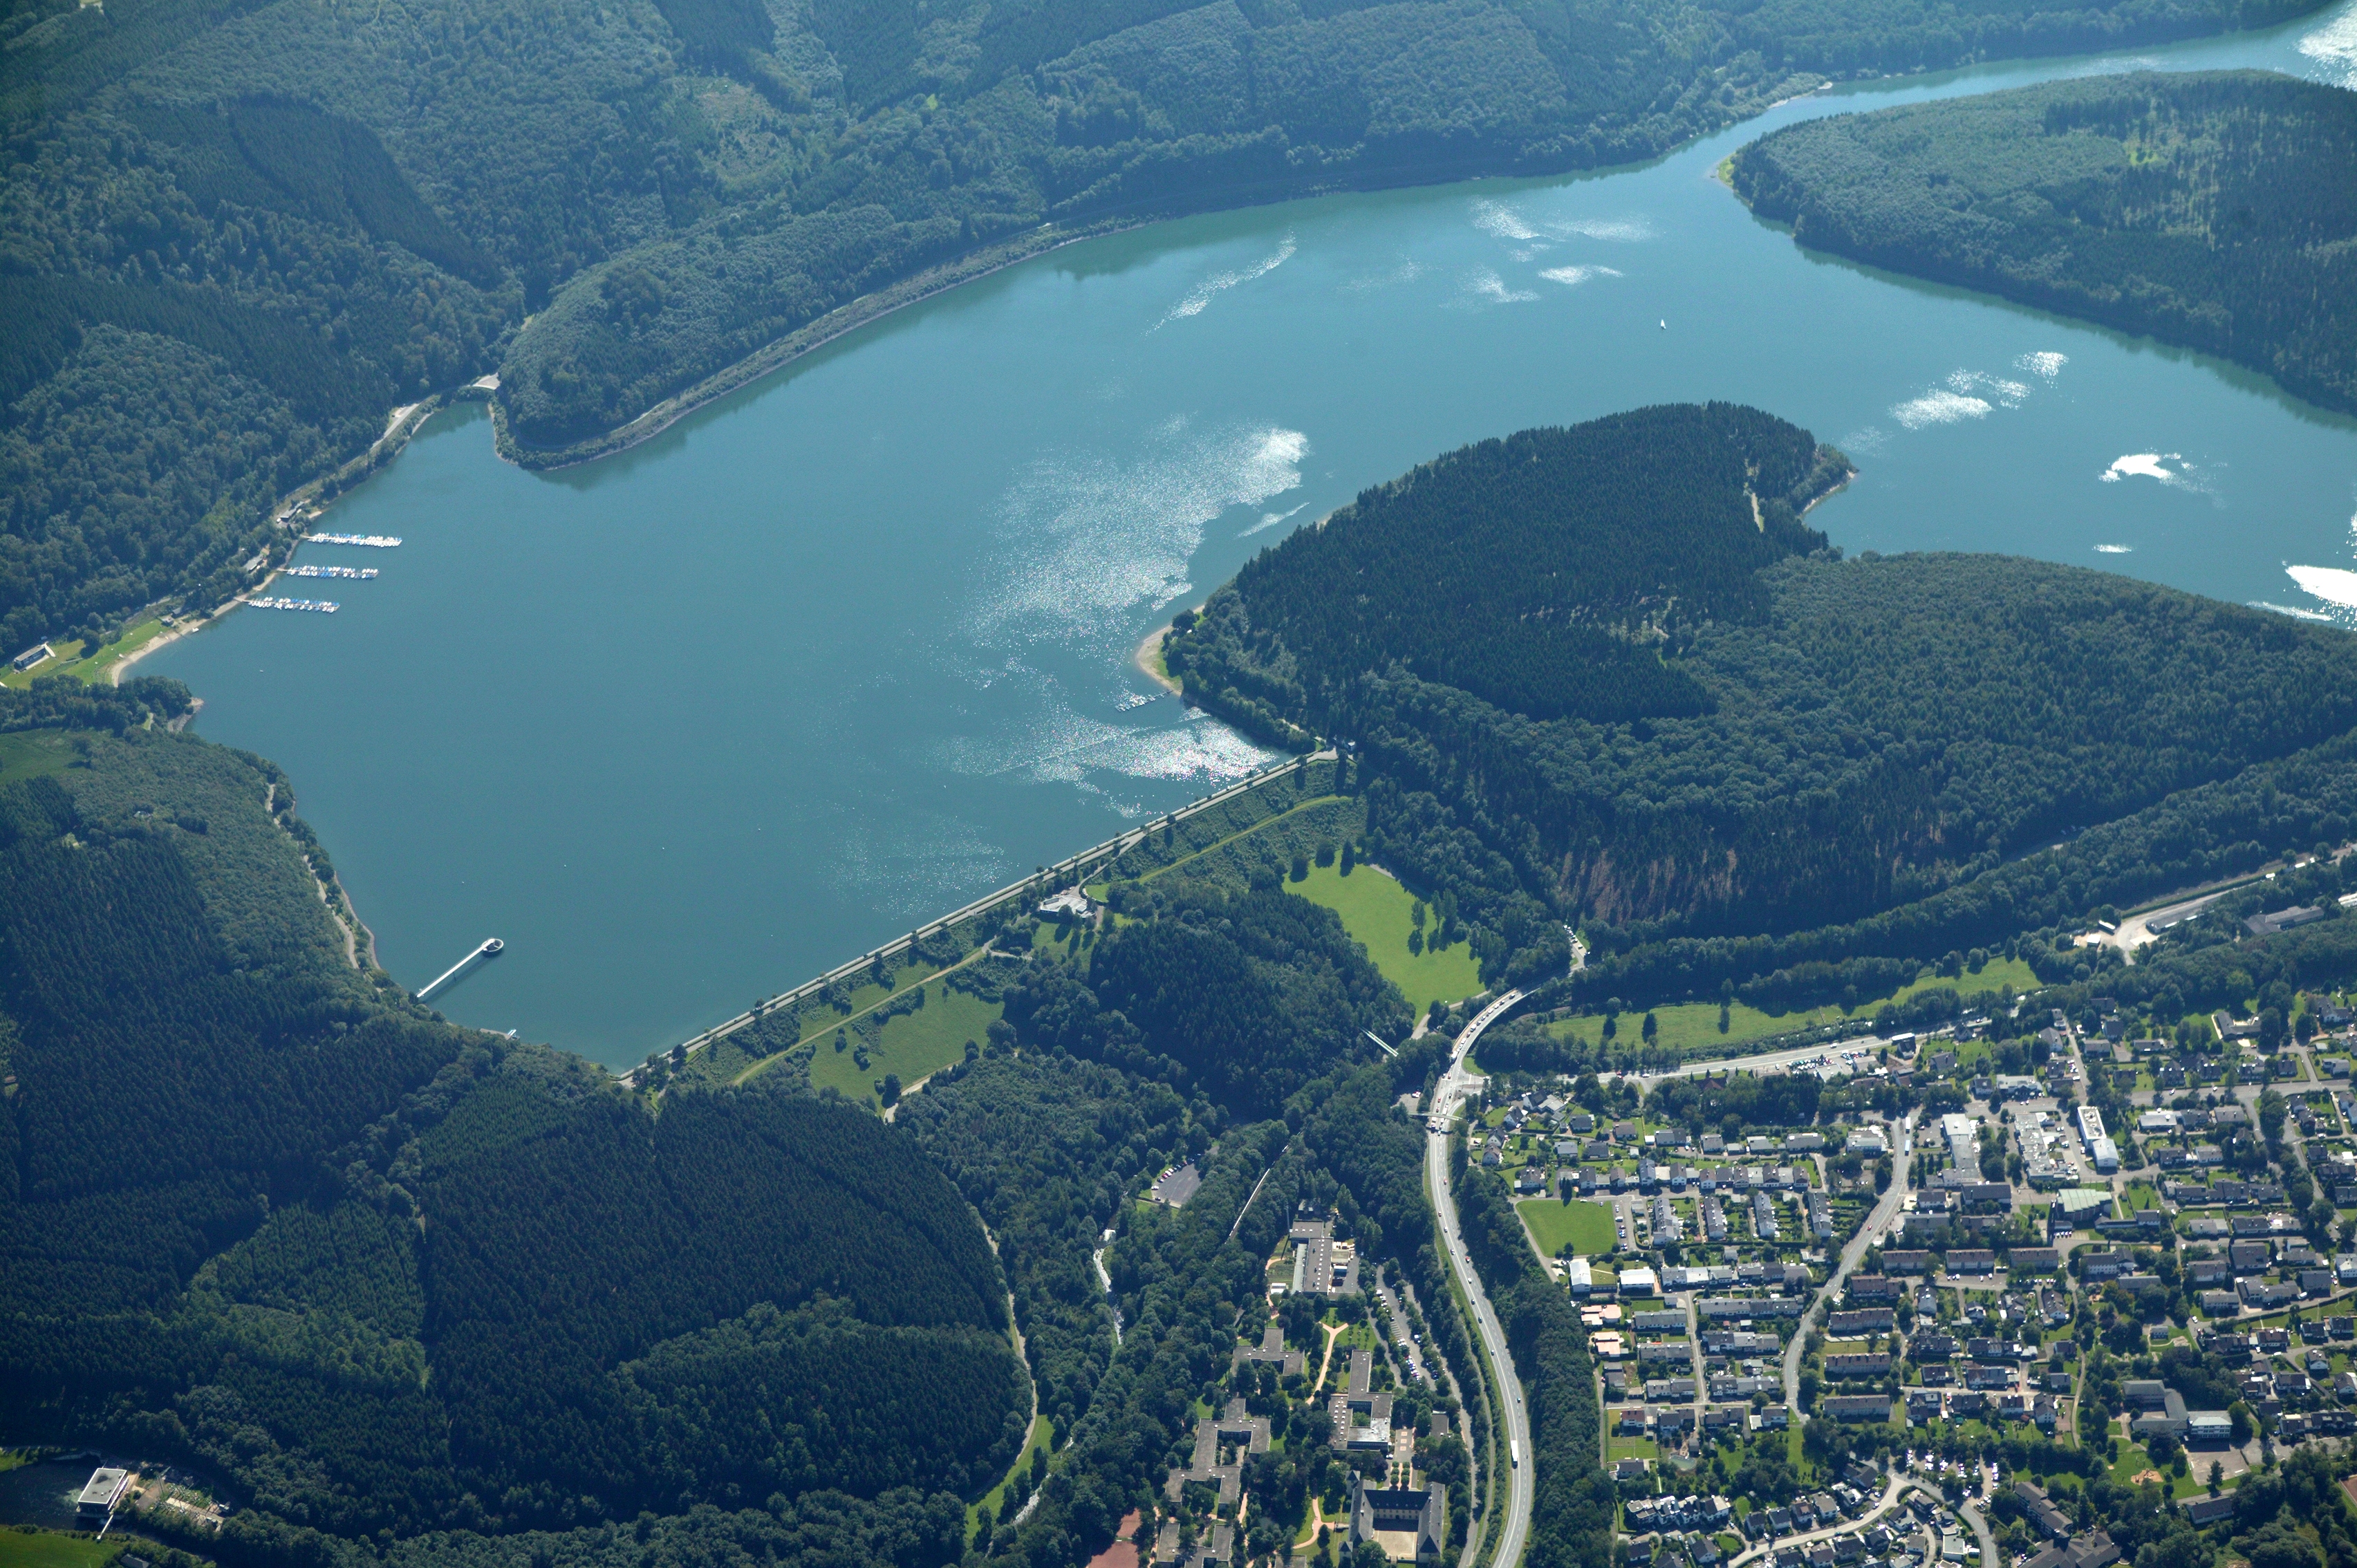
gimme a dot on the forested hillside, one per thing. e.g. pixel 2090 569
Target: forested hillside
pixel 383 1277
pixel 236 233
pixel 1548 572
pixel 1732 756
pixel 2211 209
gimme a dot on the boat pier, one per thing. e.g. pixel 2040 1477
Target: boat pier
pixel 489 948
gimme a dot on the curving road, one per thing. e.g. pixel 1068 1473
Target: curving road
pixel 1454 1086
pixel 1893 1494
pixel 1886 1209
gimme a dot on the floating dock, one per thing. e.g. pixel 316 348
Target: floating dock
pixel 373 541
pixel 360 572
pixel 319 607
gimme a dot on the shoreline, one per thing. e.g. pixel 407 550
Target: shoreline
pixel 805 339
pixel 1148 659
pixel 1048 237
pixel 185 626
pixel 305 504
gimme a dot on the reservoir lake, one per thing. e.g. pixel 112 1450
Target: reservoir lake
pixel 843 650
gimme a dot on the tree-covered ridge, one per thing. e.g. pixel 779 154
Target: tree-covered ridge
pixel 1255 996
pixel 1871 747
pixel 1246 998
pixel 382 1276
pixel 606 1235
pixel 1548 574
pixel 236 231
pixel 2213 209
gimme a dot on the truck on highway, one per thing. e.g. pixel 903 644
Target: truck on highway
pixel 1514 1452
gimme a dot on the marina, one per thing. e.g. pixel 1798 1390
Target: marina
pixel 931 554
pixel 360 572
pixel 323 607
pixel 373 541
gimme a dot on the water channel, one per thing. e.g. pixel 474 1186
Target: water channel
pixel 852 646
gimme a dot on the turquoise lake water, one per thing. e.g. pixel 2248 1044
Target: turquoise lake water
pixel 845 649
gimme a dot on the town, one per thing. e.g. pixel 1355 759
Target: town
pixel 2003 1255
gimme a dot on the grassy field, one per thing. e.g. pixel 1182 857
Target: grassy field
pixel 68 653
pixel 2134 1461
pixel 911 1044
pixel 50 1550
pixel 1585 1228
pixel 1379 912
pixel 29 754
pixel 1633 1448
pixel 98 666
pixel 1691 1027
pixel 726 1062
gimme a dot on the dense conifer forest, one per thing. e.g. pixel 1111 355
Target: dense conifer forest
pixel 384 1277
pixel 413 1293
pixel 1822 773
pixel 237 232
pixel 2211 209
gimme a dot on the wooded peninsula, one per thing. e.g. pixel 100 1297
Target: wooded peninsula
pixel 2211 209
pixel 237 234
pixel 415 1293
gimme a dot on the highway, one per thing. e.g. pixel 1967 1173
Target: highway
pixel 1455 1085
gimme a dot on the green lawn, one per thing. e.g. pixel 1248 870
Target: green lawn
pixel 1997 973
pixel 1691 1027
pixel 2134 1461
pixel 820 1025
pixel 1378 912
pixel 911 1044
pixel 70 659
pixel 67 651
pixel 29 754
pixel 49 1549
pixel 1633 1448
pixel 1585 1228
